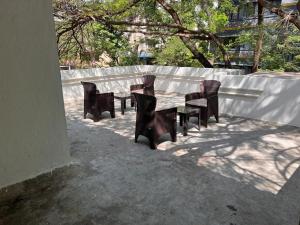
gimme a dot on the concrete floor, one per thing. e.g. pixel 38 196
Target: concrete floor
pixel 237 172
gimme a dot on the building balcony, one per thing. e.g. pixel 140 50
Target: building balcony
pixel 248 22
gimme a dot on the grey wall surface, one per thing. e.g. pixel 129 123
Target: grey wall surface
pixel 33 136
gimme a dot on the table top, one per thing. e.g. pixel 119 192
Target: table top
pixel 186 110
pixel 201 102
pixel 139 91
pixel 122 95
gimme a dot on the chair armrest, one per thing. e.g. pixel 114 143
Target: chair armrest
pixel 166 117
pixel 211 95
pixel 136 87
pixel 170 113
pixel 212 98
pixel 194 95
pixel 105 102
pixel 105 96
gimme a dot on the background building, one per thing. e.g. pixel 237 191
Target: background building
pixel 245 19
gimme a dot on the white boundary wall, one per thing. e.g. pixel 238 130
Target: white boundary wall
pixel 269 98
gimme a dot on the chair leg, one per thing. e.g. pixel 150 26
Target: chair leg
pixel 173 135
pixel 204 116
pixel 84 111
pixel 153 145
pixel 132 101
pixel 216 112
pixel 173 132
pixel 112 113
pixel 96 118
pixel 206 122
pixel 152 140
pixel 217 118
pixel 180 120
pixel 136 138
pixel 215 109
pixel 199 121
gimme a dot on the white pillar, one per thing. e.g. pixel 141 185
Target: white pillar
pixel 33 136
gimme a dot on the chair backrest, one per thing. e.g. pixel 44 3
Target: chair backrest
pixel 209 87
pixel 89 93
pixel 146 105
pixel 148 80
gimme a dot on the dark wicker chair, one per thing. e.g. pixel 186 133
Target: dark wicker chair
pixel 208 90
pixel 147 87
pixel 95 103
pixel 152 124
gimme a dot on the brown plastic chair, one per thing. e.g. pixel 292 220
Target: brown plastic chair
pixel 208 90
pixel 152 124
pixel 95 103
pixel 147 87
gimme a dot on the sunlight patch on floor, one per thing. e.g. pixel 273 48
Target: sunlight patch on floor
pixel 248 151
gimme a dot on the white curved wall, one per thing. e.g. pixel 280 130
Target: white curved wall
pixel 270 98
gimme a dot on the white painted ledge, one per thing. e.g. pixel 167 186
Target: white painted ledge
pixel 266 97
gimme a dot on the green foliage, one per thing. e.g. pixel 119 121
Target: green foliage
pixel 112 43
pixel 281 48
pixel 174 53
pixel 98 42
pixel 97 39
pixel 272 62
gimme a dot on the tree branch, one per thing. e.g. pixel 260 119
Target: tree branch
pixel 198 55
pixel 160 33
pixel 129 6
pixel 290 17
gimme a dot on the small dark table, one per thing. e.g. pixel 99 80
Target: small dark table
pixel 184 113
pixel 198 103
pixel 122 96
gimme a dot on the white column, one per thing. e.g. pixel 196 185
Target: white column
pixel 33 136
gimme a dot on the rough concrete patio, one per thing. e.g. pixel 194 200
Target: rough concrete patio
pixel 237 172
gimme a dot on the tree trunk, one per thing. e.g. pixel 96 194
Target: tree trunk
pixel 198 55
pixel 226 57
pixel 259 42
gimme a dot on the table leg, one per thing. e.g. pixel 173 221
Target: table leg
pixel 123 102
pixel 199 119
pixel 185 125
pixel 180 119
